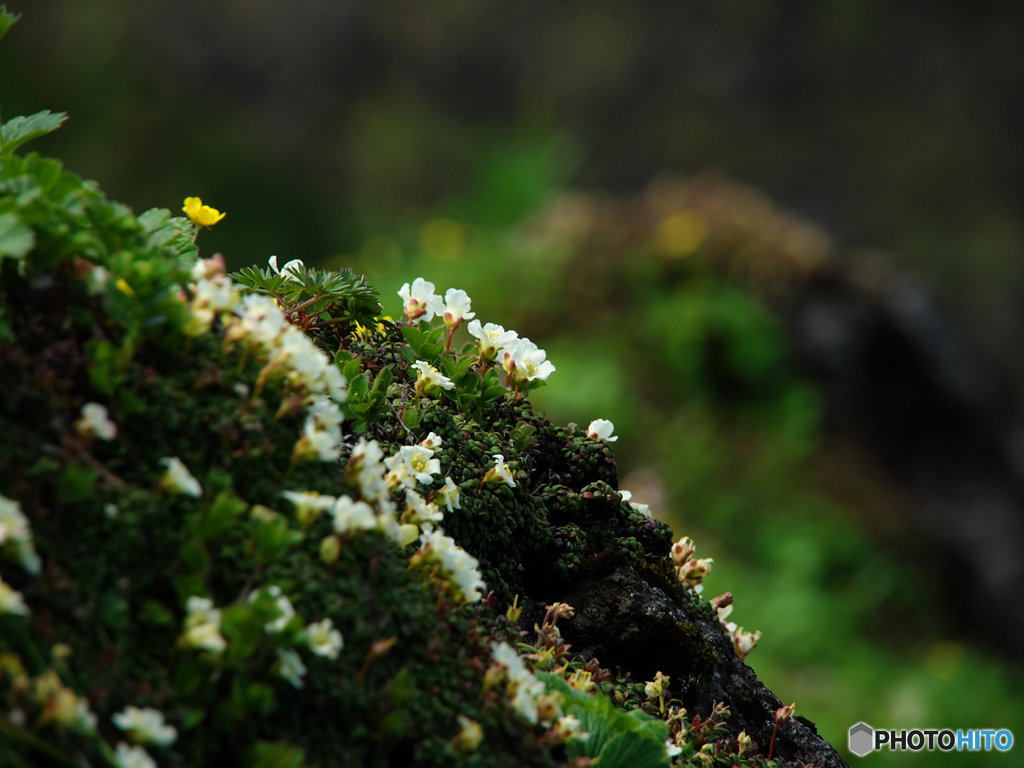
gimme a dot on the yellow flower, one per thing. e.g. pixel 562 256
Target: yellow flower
pixel 201 215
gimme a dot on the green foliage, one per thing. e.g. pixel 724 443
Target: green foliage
pixel 17 131
pixel 631 739
pixel 318 298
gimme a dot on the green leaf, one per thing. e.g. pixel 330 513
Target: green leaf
pixel 632 750
pixel 194 556
pixel 411 418
pixel 351 369
pixel 521 436
pixel 222 514
pixel 414 337
pixel 156 613
pixel 18 130
pixel 494 393
pixel 76 483
pixel 383 381
pixel 16 239
pixel 267 754
pixel 408 354
pixel 272 538
pixel 7 20
pixel 430 352
pixel 357 389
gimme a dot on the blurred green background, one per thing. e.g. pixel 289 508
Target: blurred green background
pixel 477 144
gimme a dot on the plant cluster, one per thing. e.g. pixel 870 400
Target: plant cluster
pixel 245 519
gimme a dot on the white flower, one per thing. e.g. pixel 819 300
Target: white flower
pixel 12 601
pixel 450 495
pixel 522 683
pixel 97 280
pixel 14 528
pixel 283 605
pixel 461 567
pixel 208 269
pixel 289 270
pixel 178 479
pixel 133 757
pixel 85 719
pixel 528 361
pixel 418 511
pixel 324 444
pixel 260 320
pixel 325 413
pixel 145 726
pixel 308 506
pixel 601 429
pixel 418 462
pixel 456 308
pixel 95 421
pixel 744 642
pixel 432 441
pixel 353 515
pixel 428 378
pixel 499 473
pixel 420 301
pixel 568 727
pixel 491 338
pixel 323 639
pixel 202 626
pixel 290 666
pixel 683 550
pixel 672 749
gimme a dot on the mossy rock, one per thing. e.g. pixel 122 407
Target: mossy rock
pixel 102 307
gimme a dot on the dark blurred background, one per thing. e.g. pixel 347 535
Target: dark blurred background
pixel 780 244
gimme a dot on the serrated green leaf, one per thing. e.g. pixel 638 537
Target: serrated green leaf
pixel 633 750
pixel 18 130
pixel 7 20
pixel 16 239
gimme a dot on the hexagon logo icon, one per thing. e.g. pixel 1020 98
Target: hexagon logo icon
pixel 861 738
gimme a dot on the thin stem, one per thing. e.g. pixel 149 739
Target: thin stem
pixel 771 746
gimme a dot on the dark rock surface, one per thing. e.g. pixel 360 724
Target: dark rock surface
pixel 626 622
pixel 940 417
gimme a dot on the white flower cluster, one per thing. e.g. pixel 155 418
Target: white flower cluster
pixel 458 566
pixel 145 726
pixel 283 605
pixel 420 303
pixel 259 323
pixel 520 358
pixel 96 421
pixel 16 536
pixel 177 478
pixel 744 642
pixel 202 626
pixel 690 570
pixel 643 509
pixel 521 684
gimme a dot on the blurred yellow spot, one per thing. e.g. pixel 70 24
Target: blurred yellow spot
pixel 681 234
pixel 443 239
pixel 944 659
pixel 364 333
pixel 201 215
pixel 125 288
